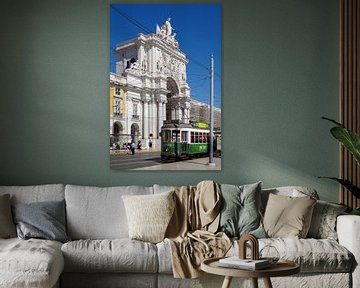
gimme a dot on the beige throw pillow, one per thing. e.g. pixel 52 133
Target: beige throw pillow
pixel 149 215
pixel 288 217
pixel 7 226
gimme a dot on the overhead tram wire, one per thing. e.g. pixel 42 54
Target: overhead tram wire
pixel 147 30
pixel 130 19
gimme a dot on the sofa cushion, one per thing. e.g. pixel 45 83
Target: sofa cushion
pixel 43 220
pixel 240 210
pixel 36 193
pixel 98 213
pixel 323 222
pixel 149 215
pixel 313 255
pixel 164 257
pixel 287 216
pixel 30 263
pixel 7 226
pixel 117 255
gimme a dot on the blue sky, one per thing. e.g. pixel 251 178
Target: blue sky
pixel 198 31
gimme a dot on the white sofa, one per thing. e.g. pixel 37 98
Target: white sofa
pixel 101 254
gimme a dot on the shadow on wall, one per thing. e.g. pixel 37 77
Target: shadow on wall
pixel 274 173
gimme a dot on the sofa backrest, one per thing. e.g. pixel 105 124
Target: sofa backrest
pixel 36 193
pixel 98 212
pixel 163 188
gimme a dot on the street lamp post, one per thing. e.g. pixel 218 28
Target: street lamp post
pixel 211 154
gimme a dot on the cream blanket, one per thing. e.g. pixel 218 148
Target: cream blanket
pixel 191 231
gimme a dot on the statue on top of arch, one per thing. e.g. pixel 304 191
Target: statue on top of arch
pixel 165 32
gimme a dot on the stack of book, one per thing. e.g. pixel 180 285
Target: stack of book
pixel 248 264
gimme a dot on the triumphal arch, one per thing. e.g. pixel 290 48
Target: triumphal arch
pixel 151 70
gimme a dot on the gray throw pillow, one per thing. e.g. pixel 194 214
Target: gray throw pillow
pixel 7 226
pixel 44 220
pixel 323 222
pixel 240 213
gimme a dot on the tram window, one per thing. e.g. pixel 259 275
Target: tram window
pixel 176 136
pixel 196 137
pixel 206 137
pixel 184 135
pixel 192 137
pixel 167 136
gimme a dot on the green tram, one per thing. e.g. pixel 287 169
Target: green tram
pixel 180 140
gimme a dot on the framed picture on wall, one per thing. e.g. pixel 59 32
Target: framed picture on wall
pixel 165 87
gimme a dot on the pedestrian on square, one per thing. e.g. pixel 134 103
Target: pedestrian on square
pixel 132 147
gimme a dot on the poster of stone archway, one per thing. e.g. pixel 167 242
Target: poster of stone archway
pixel 165 86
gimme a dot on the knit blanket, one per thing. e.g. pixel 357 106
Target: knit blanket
pixel 191 232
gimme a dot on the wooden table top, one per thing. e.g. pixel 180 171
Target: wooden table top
pixel 281 268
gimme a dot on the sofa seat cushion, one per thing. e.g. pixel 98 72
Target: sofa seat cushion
pixel 115 255
pixel 313 255
pixel 30 263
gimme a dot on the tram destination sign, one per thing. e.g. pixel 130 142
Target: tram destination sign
pixel 201 125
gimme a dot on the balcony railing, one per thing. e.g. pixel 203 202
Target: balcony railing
pixel 118 116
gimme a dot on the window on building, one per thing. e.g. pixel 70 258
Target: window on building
pixel 117 91
pixel 135 108
pixel 117 106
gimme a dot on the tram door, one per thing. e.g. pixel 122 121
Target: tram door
pixel 177 143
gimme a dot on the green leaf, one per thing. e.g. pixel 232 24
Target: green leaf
pixel 355 211
pixel 333 121
pixel 347 184
pixel 348 138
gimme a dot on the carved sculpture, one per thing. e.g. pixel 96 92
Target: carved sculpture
pixel 254 246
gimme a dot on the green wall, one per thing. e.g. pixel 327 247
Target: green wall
pixel 280 75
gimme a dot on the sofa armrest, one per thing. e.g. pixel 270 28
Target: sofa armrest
pixel 348 230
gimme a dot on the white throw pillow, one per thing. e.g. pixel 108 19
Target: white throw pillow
pixel 149 215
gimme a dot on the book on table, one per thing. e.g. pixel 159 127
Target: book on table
pixel 249 264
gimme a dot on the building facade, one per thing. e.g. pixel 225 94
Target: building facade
pixel 152 83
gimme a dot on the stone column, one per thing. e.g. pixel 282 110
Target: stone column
pixel 149 118
pixel 160 117
pixel 187 112
pixel 145 123
pixel 164 108
pixel 177 111
pixel 154 117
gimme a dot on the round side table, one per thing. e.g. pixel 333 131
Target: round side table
pixel 281 268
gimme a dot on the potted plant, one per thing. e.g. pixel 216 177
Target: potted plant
pixel 351 141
